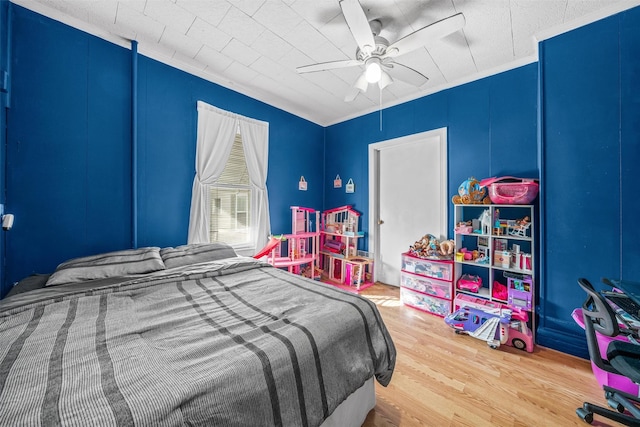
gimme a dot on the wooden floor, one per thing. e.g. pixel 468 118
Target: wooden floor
pixel 444 379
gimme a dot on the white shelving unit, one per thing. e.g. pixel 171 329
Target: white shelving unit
pixel 485 238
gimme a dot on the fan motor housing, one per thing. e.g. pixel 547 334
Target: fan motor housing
pixel 379 50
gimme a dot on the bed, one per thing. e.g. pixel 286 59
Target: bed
pixel 192 335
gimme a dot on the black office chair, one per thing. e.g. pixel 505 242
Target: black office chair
pixel 623 358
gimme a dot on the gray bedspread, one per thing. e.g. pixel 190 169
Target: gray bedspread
pixel 226 343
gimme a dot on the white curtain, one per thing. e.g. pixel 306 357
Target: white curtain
pixel 216 133
pixel 255 141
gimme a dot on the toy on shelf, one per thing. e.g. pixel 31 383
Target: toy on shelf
pixel 478 256
pixel 300 248
pixel 499 291
pixel 464 227
pixel 510 190
pixel 471 192
pixel 430 247
pixel 469 282
pixel 499 226
pixel 485 222
pixel 520 227
pixel 519 290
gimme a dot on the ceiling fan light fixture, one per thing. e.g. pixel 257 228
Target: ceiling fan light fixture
pixel 385 80
pixel 374 71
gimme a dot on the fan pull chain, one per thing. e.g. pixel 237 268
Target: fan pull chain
pixel 380 108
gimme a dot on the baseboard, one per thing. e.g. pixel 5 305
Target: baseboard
pixel 561 341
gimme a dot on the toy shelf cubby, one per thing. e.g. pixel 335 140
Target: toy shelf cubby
pixel 497 244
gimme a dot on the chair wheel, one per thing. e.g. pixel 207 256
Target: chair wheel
pixel 615 405
pixel 585 415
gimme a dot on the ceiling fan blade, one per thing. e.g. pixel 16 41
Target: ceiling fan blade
pixel 358 24
pixel 426 35
pixel 361 85
pixel 332 65
pixel 406 74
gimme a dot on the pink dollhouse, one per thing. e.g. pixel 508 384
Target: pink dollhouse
pixel 341 262
pixel 298 249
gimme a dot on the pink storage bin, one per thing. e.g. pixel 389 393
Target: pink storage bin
pixel 514 191
pixel 605 378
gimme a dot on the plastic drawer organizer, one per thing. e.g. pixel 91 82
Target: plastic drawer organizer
pixel 437 269
pixel 427 284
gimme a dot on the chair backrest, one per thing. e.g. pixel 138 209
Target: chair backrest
pixel 599 310
pixel 598 317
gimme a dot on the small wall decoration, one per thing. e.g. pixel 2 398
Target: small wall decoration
pixel 302 185
pixel 337 183
pixel 350 187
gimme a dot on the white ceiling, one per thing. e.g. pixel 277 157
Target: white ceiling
pixel 254 46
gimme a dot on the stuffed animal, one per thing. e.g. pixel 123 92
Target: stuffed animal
pixel 447 247
pixel 428 246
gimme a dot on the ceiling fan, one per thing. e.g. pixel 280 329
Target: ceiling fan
pixel 378 55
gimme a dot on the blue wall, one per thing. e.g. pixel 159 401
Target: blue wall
pixel 588 143
pixel 4 99
pixel 69 148
pixel 491 127
pixel 590 148
pixel 69 151
pixel 167 138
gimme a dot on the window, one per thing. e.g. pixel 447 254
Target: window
pixel 231 200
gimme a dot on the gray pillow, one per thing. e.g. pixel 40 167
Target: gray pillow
pixel 31 283
pixel 196 253
pixel 111 264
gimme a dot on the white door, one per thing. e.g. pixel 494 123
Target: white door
pixel 408 197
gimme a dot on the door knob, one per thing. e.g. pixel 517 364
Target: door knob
pixel 380 222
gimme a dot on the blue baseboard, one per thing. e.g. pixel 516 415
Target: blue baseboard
pixel 561 341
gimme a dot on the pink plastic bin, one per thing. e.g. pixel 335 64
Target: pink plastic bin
pixel 605 378
pixel 514 191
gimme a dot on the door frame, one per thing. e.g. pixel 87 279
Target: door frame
pixel 374 187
